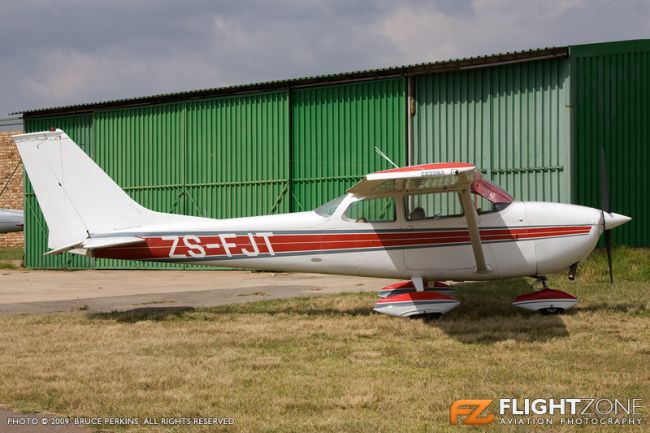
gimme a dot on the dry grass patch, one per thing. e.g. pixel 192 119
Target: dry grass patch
pixel 329 363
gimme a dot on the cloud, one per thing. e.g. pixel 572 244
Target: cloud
pixel 68 76
pixel 74 51
pixel 424 31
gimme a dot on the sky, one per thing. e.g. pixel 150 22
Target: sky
pixel 60 52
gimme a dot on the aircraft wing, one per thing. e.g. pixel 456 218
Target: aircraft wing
pixel 418 178
pixel 426 178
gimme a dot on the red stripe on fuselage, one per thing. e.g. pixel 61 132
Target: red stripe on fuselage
pixel 282 243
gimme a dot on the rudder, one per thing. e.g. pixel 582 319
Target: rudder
pixel 76 196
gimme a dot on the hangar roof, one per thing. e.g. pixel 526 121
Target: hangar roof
pixel 395 71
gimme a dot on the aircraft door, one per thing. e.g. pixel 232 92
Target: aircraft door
pixel 374 227
pixel 435 229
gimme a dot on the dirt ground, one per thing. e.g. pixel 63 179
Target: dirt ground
pixel 41 291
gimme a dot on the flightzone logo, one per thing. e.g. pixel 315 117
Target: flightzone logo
pixel 547 411
pixel 470 412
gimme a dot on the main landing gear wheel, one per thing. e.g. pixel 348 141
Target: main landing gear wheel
pixel 427 317
pixel 427 305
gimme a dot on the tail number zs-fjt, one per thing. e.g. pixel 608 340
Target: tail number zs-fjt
pixel 196 247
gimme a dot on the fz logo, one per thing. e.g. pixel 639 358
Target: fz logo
pixel 471 411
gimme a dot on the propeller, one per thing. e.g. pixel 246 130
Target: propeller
pixel 604 207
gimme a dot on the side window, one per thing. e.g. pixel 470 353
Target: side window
pixel 372 210
pixel 482 205
pixel 433 205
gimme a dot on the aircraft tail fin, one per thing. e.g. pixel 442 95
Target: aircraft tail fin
pixel 76 196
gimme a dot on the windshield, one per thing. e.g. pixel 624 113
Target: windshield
pixel 490 190
pixel 327 209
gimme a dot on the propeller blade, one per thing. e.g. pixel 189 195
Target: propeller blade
pixel 604 206
pixel 608 248
pixel 604 183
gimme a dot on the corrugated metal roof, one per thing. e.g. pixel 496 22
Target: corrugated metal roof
pixel 415 69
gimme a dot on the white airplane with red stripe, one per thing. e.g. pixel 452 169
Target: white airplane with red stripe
pixel 425 223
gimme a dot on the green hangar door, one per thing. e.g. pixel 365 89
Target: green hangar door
pixel 511 121
pixel 217 158
pixel 141 149
pixel 237 156
pixel 334 133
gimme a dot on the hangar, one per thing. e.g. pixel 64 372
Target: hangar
pixel 533 121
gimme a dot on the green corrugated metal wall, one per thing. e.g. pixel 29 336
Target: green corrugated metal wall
pixel 612 93
pixel 142 149
pixel 238 156
pixel 334 133
pixel 511 121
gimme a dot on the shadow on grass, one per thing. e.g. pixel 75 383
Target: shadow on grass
pixel 294 307
pixel 486 315
pixel 141 314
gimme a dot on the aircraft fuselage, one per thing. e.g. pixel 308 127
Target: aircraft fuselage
pixel 524 239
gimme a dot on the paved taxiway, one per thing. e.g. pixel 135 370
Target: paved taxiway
pixel 42 291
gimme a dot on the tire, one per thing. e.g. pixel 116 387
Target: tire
pixel 427 317
pixel 551 310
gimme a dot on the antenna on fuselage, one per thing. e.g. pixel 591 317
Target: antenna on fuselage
pixel 383 155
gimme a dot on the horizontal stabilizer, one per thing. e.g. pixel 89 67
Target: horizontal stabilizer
pixel 63 249
pixel 96 243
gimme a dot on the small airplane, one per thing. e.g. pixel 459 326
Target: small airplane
pixel 431 222
pixel 11 220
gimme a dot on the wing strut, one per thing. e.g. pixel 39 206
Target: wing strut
pixel 472 225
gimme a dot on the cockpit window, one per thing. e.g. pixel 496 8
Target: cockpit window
pixel 327 210
pixel 488 196
pixel 490 190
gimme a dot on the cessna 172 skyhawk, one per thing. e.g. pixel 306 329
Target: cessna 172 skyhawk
pixel 428 222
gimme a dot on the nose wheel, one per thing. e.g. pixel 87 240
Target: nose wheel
pixel 550 311
pixel 546 301
pixel 426 318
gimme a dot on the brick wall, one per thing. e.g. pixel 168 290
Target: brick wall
pixel 12 197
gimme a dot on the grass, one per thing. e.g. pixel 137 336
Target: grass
pixel 330 364
pixel 9 255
